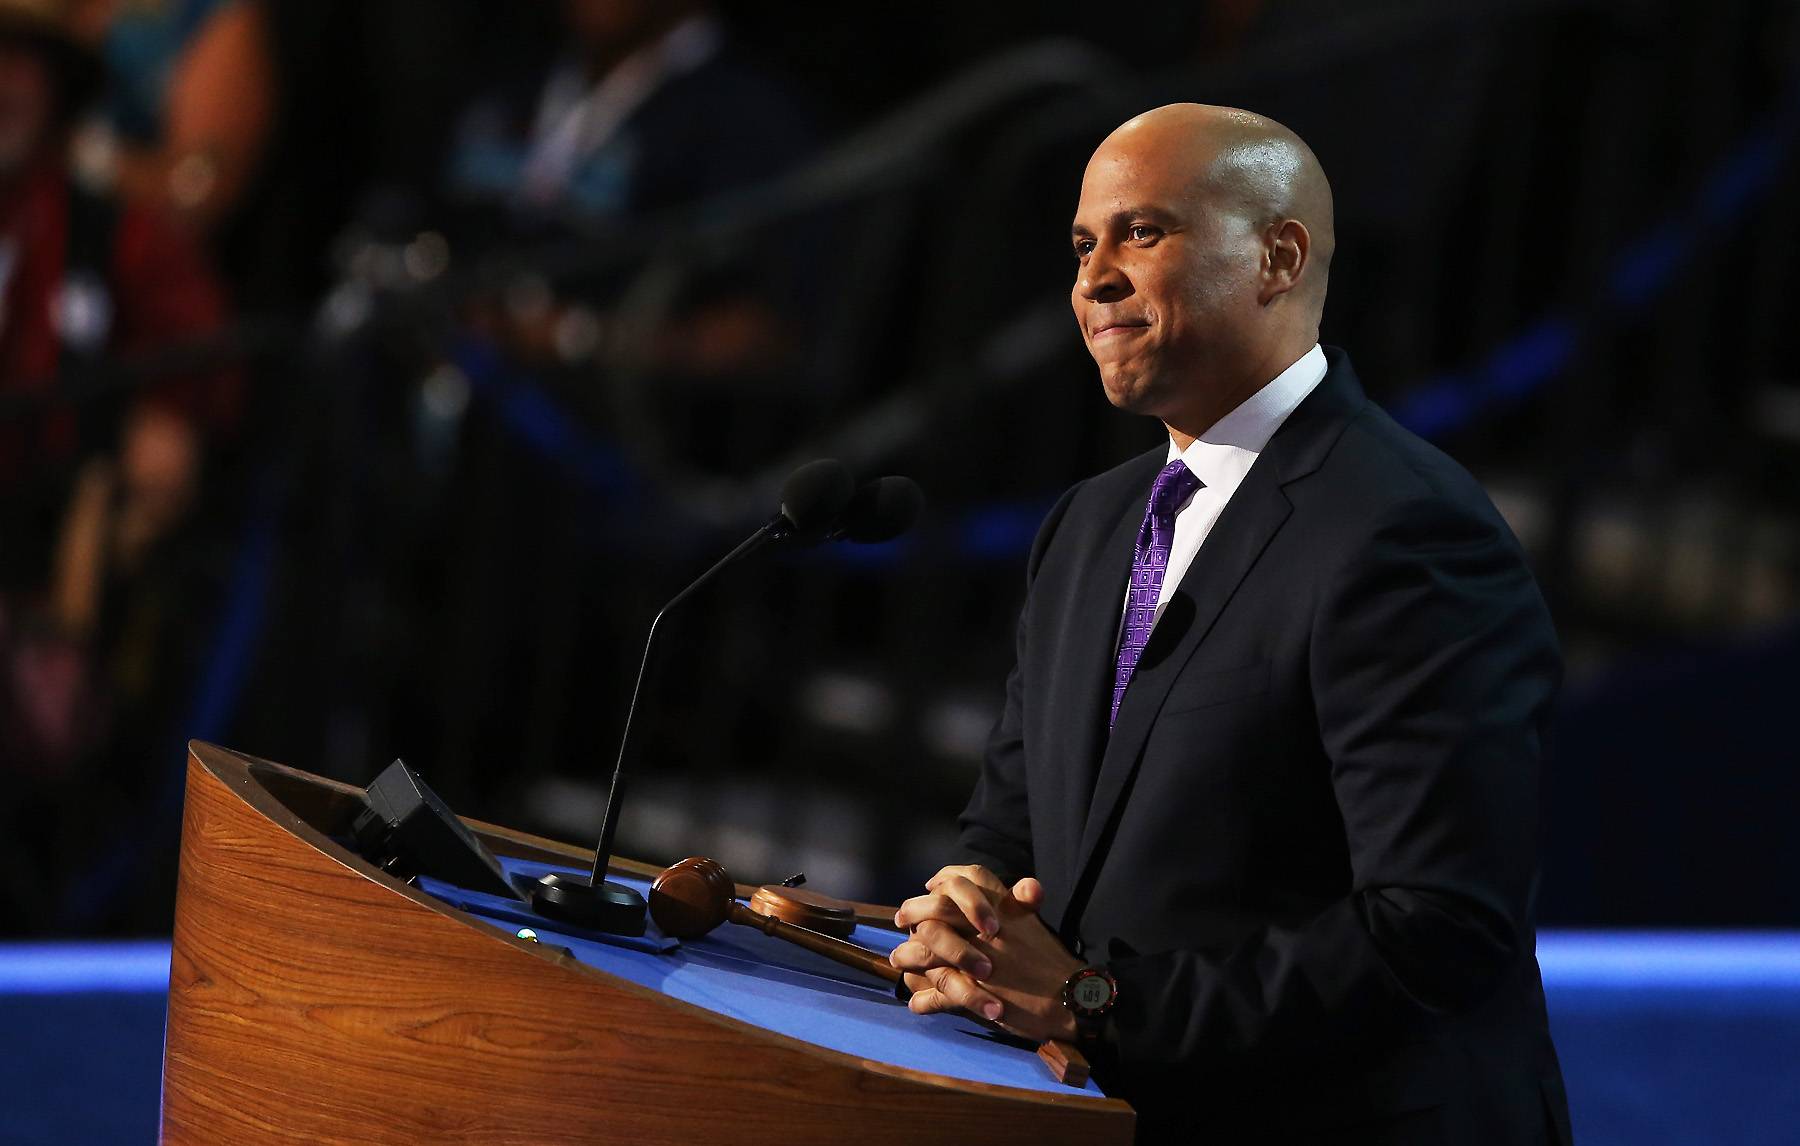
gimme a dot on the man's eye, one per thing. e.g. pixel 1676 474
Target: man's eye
pixel 1083 248
pixel 1142 232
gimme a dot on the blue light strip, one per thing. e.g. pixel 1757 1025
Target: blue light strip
pixel 1619 960
pixel 123 967
pixel 1716 960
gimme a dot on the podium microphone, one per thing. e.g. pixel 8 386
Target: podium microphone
pixel 816 499
pixel 881 510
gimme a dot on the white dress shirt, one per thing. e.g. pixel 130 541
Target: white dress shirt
pixel 1222 455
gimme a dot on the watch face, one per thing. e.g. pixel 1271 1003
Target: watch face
pixel 1091 992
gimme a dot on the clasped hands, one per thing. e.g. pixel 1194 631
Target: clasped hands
pixel 979 946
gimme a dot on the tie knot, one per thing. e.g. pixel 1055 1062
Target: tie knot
pixel 1174 485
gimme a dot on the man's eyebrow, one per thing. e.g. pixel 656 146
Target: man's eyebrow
pixel 1126 215
pixel 1146 211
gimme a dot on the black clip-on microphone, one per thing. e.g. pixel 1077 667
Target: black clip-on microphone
pixel 815 500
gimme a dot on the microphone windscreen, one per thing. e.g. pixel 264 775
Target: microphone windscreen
pixel 814 496
pixel 882 510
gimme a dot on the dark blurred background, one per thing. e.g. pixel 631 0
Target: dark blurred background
pixel 372 370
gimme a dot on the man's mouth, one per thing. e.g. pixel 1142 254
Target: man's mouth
pixel 1114 329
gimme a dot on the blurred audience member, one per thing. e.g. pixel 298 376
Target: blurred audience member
pixel 650 108
pixel 92 479
pixel 189 103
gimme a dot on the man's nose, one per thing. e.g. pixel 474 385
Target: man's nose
pixel 1101 278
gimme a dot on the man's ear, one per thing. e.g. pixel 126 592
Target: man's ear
pixel 1285 253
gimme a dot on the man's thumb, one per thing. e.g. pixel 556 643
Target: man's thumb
pixel 1029 892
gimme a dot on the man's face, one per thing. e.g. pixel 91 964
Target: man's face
pixel 27 99
pixel 1164 284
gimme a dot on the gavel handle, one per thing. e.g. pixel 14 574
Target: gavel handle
pixel 831 947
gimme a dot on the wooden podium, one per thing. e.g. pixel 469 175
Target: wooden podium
pixel 313 998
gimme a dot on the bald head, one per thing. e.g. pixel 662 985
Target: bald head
pixel 1203 238
pixel 1240 161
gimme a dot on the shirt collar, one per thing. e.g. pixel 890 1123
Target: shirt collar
pixel 1221 455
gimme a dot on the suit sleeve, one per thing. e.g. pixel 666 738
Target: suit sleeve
pixel 1433 667
pixel 996 824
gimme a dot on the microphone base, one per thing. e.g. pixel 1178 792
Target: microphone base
pixel 609 907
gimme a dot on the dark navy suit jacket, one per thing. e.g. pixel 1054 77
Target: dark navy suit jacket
pixel 1308 849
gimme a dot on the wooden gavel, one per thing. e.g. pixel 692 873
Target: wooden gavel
pixel 696 895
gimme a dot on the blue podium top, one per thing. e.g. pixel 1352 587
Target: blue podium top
pixel 772 984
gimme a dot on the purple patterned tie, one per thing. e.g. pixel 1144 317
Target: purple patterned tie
pixel 1150 560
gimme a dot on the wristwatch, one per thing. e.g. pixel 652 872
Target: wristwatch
pixel 1090 994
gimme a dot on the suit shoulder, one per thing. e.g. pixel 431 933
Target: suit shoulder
pixel 1379 471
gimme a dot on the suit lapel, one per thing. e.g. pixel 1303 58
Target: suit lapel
pixel 1099 601
pixel 1256 512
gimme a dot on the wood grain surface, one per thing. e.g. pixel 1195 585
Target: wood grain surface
pixel 314 999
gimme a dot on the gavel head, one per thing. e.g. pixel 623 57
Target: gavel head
pixel 691 898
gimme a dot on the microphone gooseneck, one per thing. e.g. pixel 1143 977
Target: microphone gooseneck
pixel 818 501
pixel 813 499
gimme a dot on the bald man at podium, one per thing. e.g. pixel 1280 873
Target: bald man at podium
pixel 1259 823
